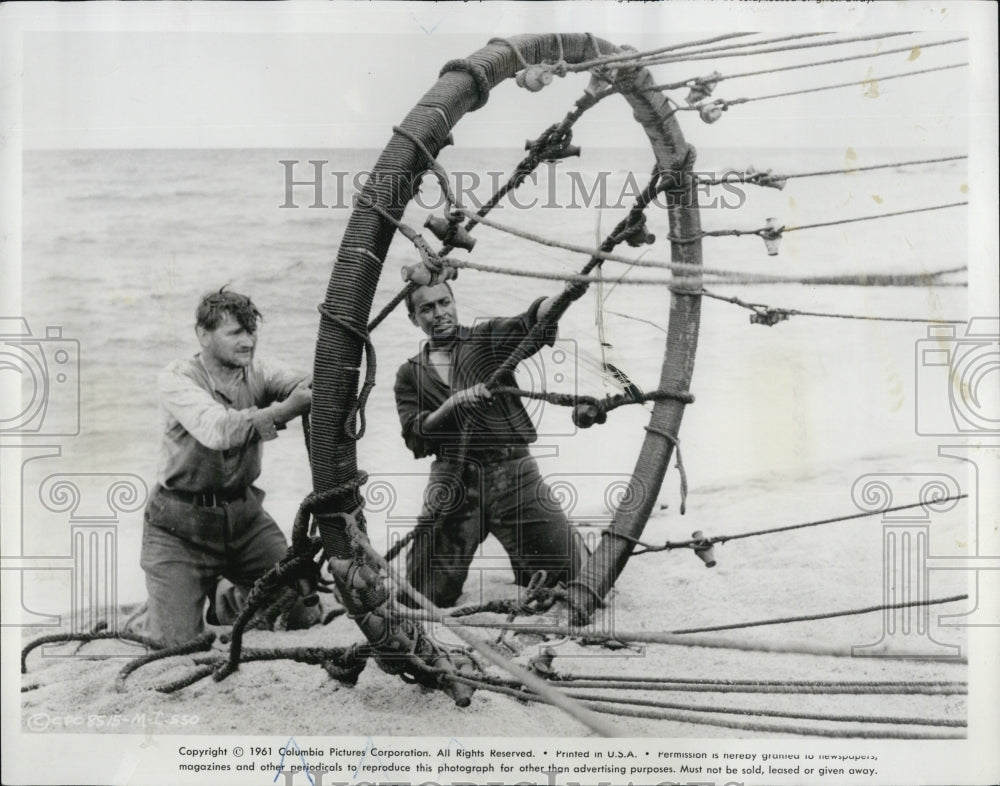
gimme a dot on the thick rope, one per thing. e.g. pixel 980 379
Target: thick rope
pixel 517 672
pixel 298 563
pixel 197 644
pixel 83 638
pixel 605 404
pixel 478 75
pixel 344 664
pixel 714 79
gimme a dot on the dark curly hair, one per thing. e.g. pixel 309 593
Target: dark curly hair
pixel 215 305
pixel 410 305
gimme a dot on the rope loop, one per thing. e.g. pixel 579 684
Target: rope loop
pixel 478 74
pixel 358 410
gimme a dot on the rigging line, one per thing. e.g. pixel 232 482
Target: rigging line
pixel 726 103
pixel 872 217
pixel 629 55
pixel 702 719
pixel 778 231
pixel 743 177
pixel 700 542
pixel 570 678
pixel 725 278
pixel 722 77
pixel 763 308
pixel 680 267
pixel 666 637
pixel 689 57
pixel 725 538
pixel 819 716
pixel 823 616
pixel 591 635
pixel 693 687
pixel 613 60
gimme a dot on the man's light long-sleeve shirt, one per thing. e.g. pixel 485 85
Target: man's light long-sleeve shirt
pixel 213 434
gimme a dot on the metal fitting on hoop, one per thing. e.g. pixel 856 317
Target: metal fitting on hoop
pixel 709 113
pixel 534 78
pixel 554 152
pixel 702 88
pixel 771 233
pixel 431 269
pixel 637 236
pixel 450 232
pixel 704 549
pixel 423 276
pixel 586 414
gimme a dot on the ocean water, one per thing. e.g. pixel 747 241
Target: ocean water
pixel 119 245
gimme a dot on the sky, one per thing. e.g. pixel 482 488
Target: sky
pixel 304 75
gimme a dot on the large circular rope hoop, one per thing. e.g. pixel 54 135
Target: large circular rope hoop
pixel 461 88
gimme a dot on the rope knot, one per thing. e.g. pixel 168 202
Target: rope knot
pixel 634 233
pixel 357 412
pixel 552 146
pixel 765 178
pixel 702 87
pixel 768 316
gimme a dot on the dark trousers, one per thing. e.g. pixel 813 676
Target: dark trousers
pixel 507 499
pixel 187 548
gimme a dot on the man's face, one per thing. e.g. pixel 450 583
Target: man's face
pixel 434 311
pixel 230 344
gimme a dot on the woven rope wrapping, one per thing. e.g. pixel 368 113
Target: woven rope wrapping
pixel 463 87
